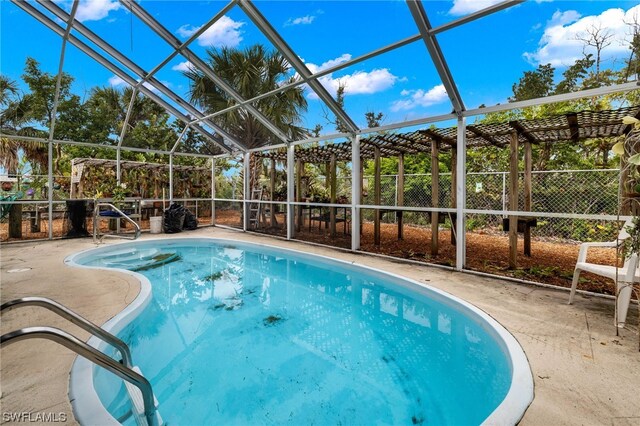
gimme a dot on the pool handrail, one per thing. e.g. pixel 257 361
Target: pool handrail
pixel 96 230
pixel 90 353
pixel 74 318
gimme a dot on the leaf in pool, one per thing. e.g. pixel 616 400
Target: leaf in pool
pixel 162 256
pixel 214 276
pixel 159 260
pixel 272 320
pixel 217 307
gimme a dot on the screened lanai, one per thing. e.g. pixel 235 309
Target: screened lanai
pixel 458 123
pixel 377 190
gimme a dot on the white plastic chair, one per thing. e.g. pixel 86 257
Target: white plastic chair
pixel 626 275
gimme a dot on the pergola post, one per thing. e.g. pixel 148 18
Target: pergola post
pixel 435 196
pixel 513 201
pixel 272 182
pixel 332 186
pixel 356 193
pixel 528 165
pixel 290 190
pixel 246 181
pixel 213 191
pixel 454 198
pixel 461 193
pixel 377 196
pixel 400 196
pixel 300 168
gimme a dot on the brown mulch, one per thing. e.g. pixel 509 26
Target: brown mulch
pixel 550 263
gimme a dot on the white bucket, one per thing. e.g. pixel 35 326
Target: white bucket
pixel 156 224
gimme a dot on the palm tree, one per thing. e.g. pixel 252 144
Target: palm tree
pixel 251 72
pixel 108 108
pixel 14 119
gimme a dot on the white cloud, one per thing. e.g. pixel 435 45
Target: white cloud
pixel 360 82
pixel 328 64
pixel 465 7
pixel 183 66
pixel 94 10
pixel 225 32
pixel 116 81
pixel 559 44
pixel 303 20
pixel 420 98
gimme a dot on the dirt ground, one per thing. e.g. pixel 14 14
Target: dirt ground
pixel 550 263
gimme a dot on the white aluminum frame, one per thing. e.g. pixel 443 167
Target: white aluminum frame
pixel 194 118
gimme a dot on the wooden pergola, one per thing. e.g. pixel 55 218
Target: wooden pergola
pixel 79 164
pixel 569 127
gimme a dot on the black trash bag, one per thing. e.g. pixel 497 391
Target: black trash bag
pixel 190 221
pixel 77 218
pixel 174 218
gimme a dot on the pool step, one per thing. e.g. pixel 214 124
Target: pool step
pixel 138 403
pixel 135 260
pixel 123 257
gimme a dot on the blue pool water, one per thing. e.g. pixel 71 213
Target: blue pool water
pixel 243 334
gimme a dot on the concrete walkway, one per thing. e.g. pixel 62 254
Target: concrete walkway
pixel 584 374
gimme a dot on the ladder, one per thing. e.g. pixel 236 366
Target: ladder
pixel 256 214
pixel 138 387
pixel 118 214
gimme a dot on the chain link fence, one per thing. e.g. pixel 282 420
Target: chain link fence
pixel 558 191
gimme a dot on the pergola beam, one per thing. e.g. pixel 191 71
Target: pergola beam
pixel 489 138
pixel 519 129
pixel 572 119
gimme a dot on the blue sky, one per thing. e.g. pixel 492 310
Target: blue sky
pixel 485 57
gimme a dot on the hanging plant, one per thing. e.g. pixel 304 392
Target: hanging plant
pixel 619 148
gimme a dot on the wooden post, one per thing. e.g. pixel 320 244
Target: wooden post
pixel 454 194
pixel 528 165
pixel 272 207
pixel 15 221
pixel 377 197
pixel 435 196
pixel 400 196
pixel 513 201
pixel 299 169
pixel 332 186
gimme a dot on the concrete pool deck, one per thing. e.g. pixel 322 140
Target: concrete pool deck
pixel 583 372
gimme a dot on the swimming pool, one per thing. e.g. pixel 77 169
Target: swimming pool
pixel 239 333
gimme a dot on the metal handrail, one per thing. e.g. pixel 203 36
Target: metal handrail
pixel 96 212
pixel 82 349
pixel 74 318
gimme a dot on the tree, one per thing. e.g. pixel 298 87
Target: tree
pixel 251 72
pixel 598 38
pixel 575 73
pixel 534 84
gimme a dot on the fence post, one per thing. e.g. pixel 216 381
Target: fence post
pixel 504 191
